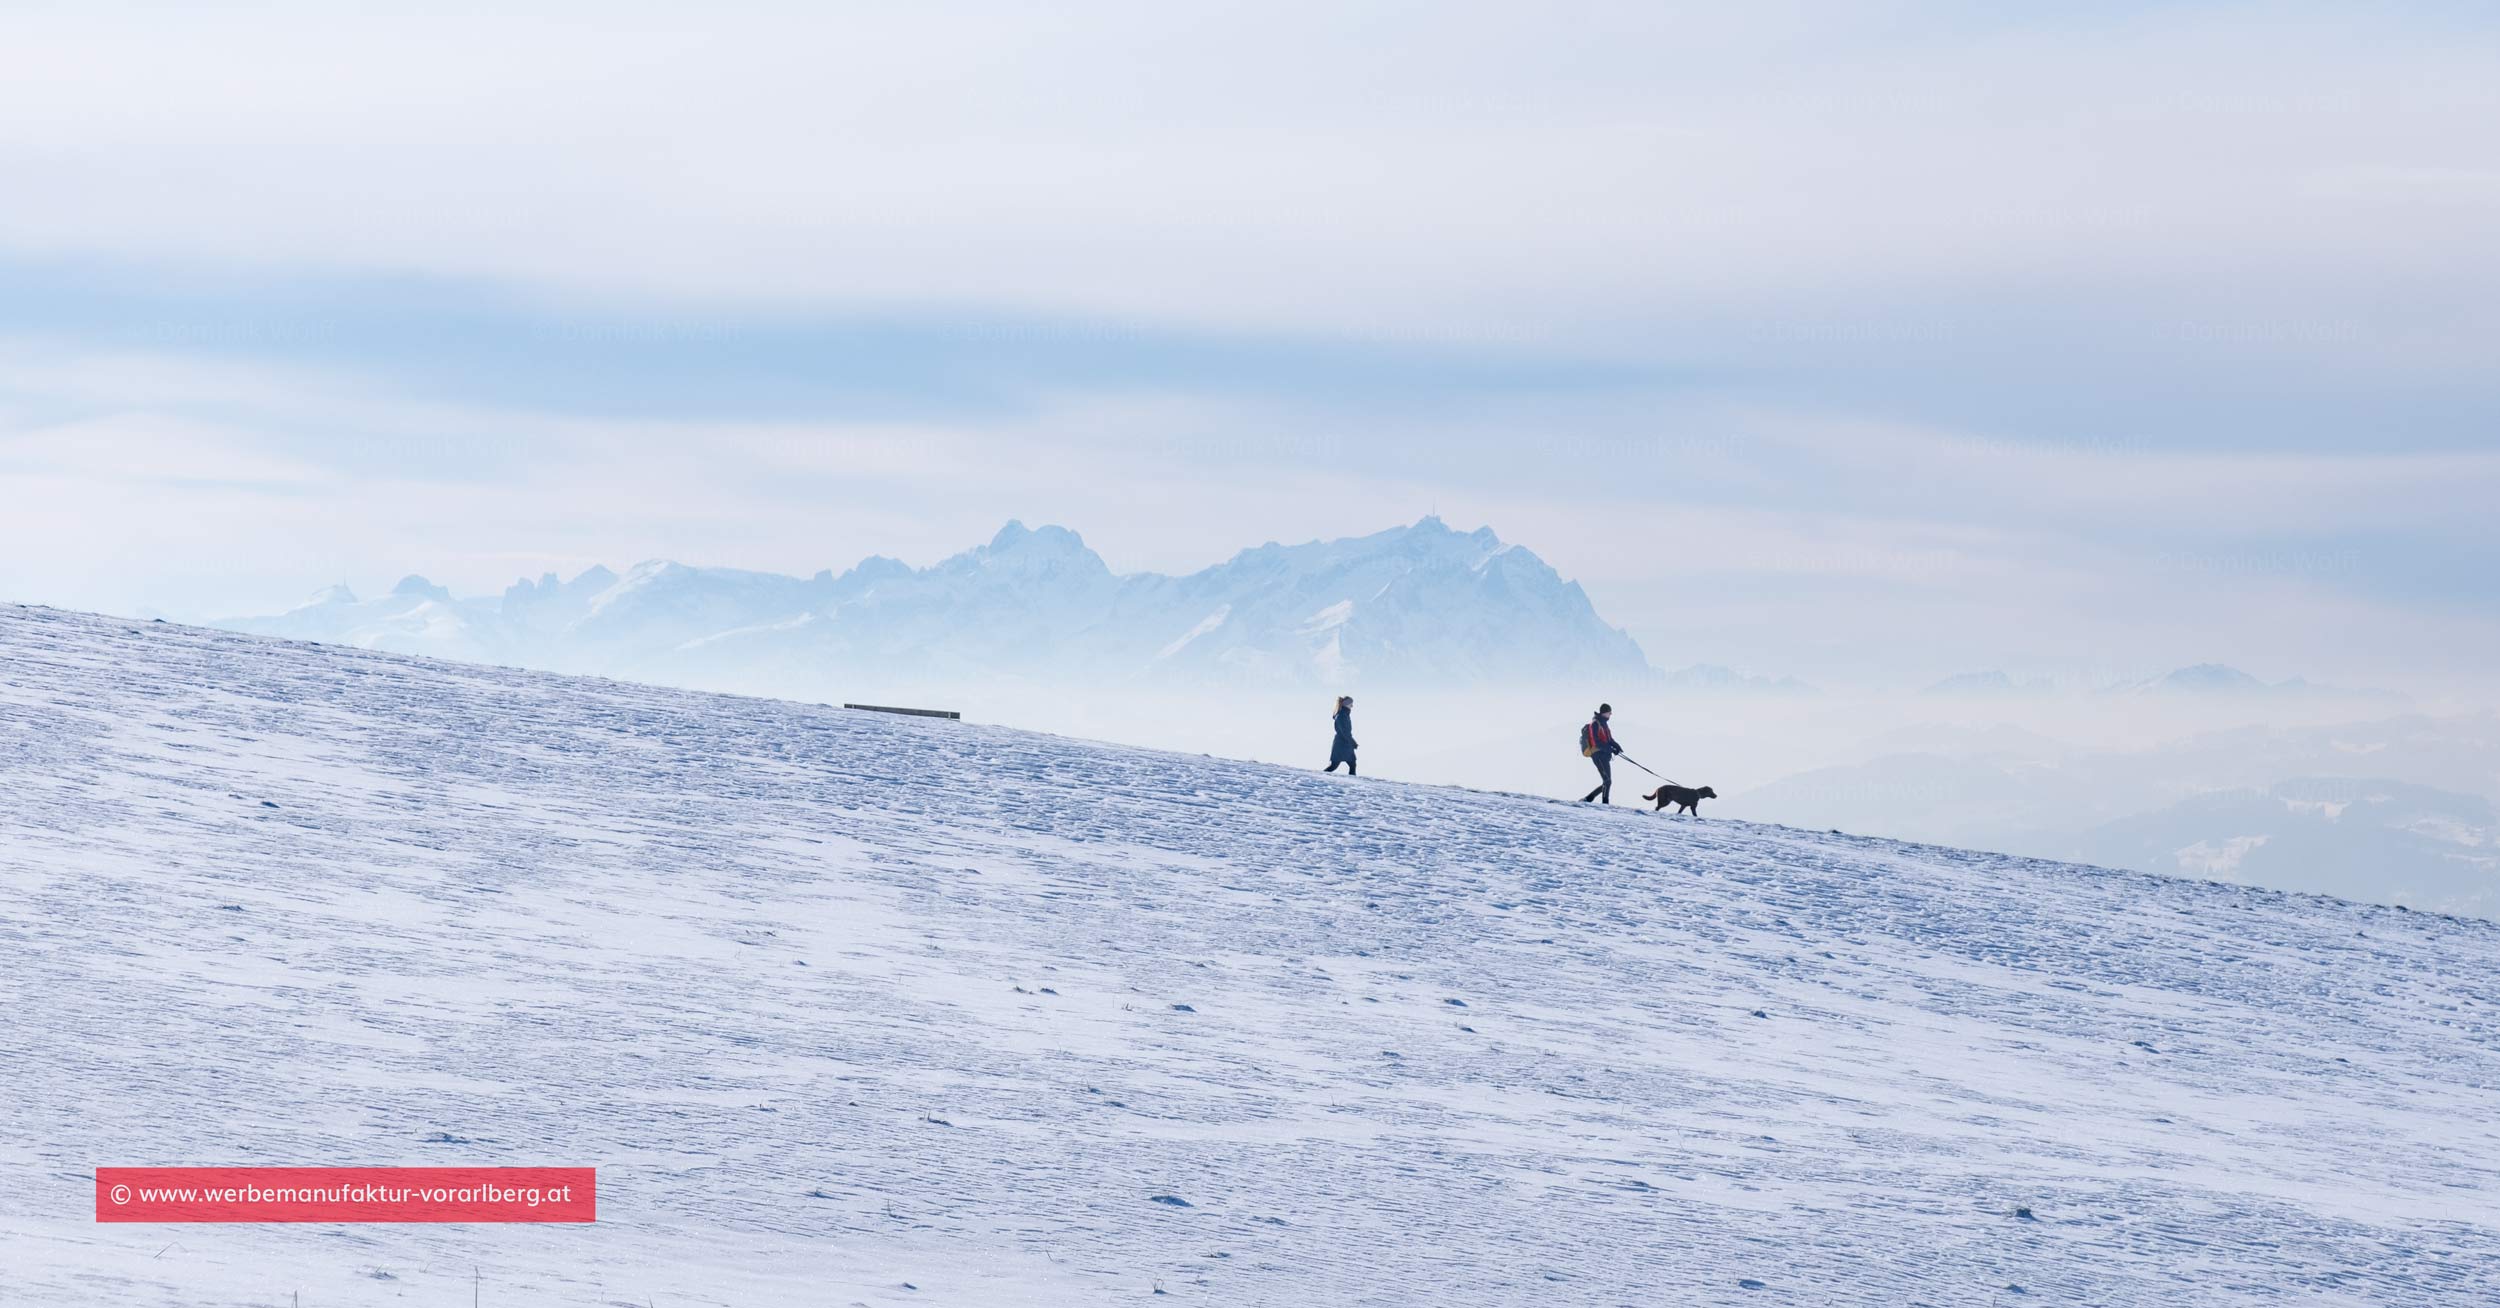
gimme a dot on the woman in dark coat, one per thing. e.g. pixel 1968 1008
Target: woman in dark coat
pixel 1343 750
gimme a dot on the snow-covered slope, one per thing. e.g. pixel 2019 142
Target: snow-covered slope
pixel 850 1008
pixel 1414 605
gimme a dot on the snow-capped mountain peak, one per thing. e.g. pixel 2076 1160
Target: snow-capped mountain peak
pixel 327 596
pixel 413 586
pixel 1032 553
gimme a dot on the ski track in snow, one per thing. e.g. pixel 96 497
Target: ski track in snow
pixel 839 1002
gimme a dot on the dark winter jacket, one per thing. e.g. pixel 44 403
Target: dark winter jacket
pixel 1604 738
pixel 1344 747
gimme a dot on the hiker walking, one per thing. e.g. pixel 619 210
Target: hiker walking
pixel 1597 743
pixel 1343 750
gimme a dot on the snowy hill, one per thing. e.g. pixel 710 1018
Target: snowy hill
pixel 1420 605
pixel 850 1008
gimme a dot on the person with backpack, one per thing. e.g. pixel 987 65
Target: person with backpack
pixel 1597 744
pixel 1343 750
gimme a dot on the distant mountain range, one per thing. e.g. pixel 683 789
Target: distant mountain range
pixel 1414 605
pixel 1712 679
pixel 1417 606
pixel 2367 810
pixel 2366 838
pixel 2208 679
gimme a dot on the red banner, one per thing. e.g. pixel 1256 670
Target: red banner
pixel 346 1194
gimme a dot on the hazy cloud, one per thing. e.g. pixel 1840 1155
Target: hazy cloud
pixel 2160 329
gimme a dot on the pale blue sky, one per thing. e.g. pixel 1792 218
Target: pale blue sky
pixel 1879 340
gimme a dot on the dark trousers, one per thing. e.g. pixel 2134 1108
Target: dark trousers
pixel 1341 753
pixel 1605 792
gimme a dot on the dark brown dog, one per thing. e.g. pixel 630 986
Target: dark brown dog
pixel 1683 796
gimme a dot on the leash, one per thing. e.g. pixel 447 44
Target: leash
pixel 1638 764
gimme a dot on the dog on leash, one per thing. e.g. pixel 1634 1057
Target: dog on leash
pixel 1684 797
